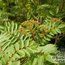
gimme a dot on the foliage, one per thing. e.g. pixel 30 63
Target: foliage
pixel 21 10
pixel 44 32
pixel 29 42
pixel 17 48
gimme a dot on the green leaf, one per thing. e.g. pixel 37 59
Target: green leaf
pixel 50 59
pixel 35 61
pixel 49 48
pixel 40 60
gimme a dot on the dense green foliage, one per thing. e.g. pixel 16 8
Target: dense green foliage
pixel 20 10
pixel 27 28
pixel 17 48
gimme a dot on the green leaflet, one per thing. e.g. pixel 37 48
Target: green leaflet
pixel 35 61
pixel 41 60
pixel 50 59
